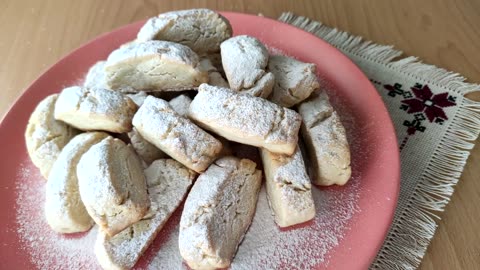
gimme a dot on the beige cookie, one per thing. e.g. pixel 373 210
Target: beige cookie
pixel 112 185
pixel 138 97
pixel 95 77
pixel 244 61
pixel 95 109
pixel 154 66
pixel 45 137
pixel 175 135
pixel 263 87
pixel 294 80
pixel 246 119
pixel 200 29
pixel 168 182
pixel 145 150
pixel 218 212
pixel 288 188
pixel 325 140
pixel 64 210
pixel 181 104
pixel 214 77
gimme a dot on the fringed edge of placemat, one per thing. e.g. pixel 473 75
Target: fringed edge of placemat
pixel 418 219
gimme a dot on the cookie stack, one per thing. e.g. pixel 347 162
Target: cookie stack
pixel 159 115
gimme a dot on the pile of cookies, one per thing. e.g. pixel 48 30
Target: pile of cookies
pixel 117 154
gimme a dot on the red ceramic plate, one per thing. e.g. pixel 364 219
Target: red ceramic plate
pixel 365 205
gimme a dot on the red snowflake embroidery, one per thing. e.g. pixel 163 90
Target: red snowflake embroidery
pixel 425 101
pixel 422 105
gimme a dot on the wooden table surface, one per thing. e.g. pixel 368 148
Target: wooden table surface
pixel 35 34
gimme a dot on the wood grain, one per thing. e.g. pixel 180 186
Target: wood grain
pixel 36 34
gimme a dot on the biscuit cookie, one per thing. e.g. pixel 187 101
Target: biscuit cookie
pixel 154 66
pixel 288 188
pixel 218 212
pixel 246 119
pixel 168 182
pixel 325 140
pixel 145 150
pixel 95 109
pixel 95 77
pixel 138 97
pixel 180 104
pixel 45 137
pixel 112 185
pixel 214 77
pixel 64 210
pixel 295 80
pixel 263 87
pixel 244 61
pixel 175 135
pixel 200 29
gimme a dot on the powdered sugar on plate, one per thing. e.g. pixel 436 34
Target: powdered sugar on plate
pixel 47 249
pixel 303 247
pixel 306 246
pixel 265 246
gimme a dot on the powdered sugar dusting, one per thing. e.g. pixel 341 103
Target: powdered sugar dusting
pixel 246 119
pixel 305 246
pixel 265 245
pixel 47 249
pixel 244 60
pixel 302 247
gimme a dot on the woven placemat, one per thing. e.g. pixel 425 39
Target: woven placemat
pixel 435 126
